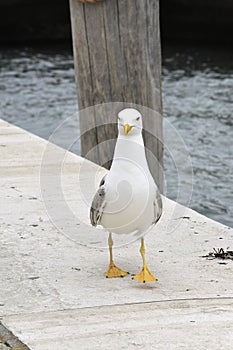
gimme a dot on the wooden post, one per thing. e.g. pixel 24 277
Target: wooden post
pixel 117 58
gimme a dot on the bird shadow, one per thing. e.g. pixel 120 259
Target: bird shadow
pixel 145 286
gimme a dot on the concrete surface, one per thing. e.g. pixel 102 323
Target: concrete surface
pixel 189 324
pixel 53 293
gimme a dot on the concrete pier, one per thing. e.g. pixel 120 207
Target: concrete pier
pixel 53 293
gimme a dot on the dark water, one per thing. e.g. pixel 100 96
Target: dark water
pixel 38 92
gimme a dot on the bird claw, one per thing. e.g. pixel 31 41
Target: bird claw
pixel 145 276
pixel 114 271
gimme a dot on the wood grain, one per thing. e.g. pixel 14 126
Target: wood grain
pixel 117 58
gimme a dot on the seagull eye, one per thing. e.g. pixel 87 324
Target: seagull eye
pixel 137 118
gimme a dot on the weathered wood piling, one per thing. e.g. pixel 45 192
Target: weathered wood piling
pixel 117 58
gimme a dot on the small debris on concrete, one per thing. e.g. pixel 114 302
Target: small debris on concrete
pixel 219 253
pixel 184 217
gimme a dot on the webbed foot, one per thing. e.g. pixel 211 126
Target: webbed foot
pixel 145 276
pixel 114 271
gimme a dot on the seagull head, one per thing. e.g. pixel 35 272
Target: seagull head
pixel 129 122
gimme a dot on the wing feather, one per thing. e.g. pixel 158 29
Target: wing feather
pixel 98 204
pixel 158 206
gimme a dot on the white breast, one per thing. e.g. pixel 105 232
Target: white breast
pixel 130 194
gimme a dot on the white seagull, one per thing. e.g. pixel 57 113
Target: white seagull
pixel 128 200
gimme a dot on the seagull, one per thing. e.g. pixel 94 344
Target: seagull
pixel 128 200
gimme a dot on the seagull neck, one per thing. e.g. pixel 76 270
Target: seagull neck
pixel 131 148
pixel 135 138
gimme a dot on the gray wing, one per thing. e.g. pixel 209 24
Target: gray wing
pixel 98 204
pixel 158 206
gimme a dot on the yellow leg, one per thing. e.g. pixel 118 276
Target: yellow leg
pixel 113 270
pixel 144 275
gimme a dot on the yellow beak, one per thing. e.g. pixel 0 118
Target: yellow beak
pixel 127 128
